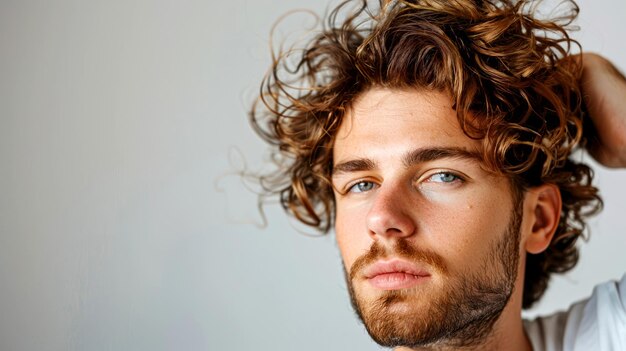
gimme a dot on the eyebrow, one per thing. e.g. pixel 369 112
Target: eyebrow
pixel 416 156
pixel 432 154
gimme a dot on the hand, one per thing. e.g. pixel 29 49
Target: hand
pixel 604 93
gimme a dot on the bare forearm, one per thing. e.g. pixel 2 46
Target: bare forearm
pixel 604 91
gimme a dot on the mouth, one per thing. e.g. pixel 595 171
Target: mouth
pixel 395 275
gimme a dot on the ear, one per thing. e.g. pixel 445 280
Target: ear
pixel 544 215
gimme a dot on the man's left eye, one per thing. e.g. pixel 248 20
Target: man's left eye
pixel 444 177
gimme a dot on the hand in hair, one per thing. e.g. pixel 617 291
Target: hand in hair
pixel 604 91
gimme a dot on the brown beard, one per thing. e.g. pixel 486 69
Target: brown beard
pixel 462 315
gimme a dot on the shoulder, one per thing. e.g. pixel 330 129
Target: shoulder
pixel 597 323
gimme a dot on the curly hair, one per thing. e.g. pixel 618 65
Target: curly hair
pixel 513 84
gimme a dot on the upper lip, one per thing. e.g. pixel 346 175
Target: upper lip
pixel 394 266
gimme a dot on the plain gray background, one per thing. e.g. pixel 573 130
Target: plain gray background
pixel 123 225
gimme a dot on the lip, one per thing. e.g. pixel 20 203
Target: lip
pixel 395 274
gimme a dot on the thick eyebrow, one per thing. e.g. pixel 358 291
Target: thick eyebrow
pixel 411 158
pixel 358 165
pixel 435 153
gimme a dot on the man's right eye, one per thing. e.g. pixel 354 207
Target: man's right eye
pixel 362 187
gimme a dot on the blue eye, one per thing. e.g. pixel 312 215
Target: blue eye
pixel 362 187
pixel 444 177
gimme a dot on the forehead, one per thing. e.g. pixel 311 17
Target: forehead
pixel 385 121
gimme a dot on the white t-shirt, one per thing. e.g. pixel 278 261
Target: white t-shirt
pixel 595 324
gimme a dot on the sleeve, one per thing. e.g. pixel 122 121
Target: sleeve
pixel 598 323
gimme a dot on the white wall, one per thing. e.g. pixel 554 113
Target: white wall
pixel 122 226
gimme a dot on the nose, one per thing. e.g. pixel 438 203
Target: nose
pixel 391 214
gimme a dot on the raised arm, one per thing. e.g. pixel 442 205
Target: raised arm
pixel 604 91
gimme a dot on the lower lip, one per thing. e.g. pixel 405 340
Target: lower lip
pixel 396 281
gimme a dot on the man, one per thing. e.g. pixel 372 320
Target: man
pixel 435 137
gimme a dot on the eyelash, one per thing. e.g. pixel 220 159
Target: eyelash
pixel 353 186
pixel 448 173
pixel 457 178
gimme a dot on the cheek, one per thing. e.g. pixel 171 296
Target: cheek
pixel 351 233
pixel 464 231
pixel 450 230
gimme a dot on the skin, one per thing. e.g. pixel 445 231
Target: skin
pixel 604 90
pixel 450 206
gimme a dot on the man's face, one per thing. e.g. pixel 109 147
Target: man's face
pixel 429 239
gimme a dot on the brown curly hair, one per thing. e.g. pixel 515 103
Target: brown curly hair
pixel 511 78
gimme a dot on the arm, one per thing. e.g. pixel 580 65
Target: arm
pixel 604 92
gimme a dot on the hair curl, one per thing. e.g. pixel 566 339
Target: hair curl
pixel 511 78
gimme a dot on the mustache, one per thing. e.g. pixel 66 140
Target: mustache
pixel 401 249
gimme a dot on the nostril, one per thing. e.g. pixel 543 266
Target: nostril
pixel 391 211
pixel 392 225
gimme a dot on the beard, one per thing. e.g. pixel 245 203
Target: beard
pixel 460 314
